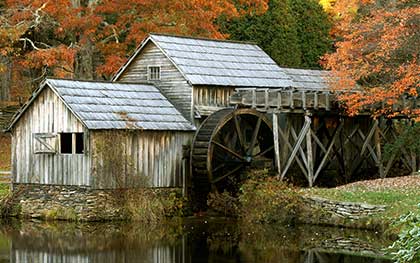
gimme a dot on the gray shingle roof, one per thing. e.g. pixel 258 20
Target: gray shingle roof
pixel 309 79
pixel 216 62
pixel 112 105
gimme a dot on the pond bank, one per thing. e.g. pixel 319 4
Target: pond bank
pixel 262 200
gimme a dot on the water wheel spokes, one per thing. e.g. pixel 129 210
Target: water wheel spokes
pixel 227 142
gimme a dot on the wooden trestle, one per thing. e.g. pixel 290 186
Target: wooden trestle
pixel 311 131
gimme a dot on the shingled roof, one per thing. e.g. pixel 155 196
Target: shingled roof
pixel 309 79
pixel 112 105
pixel 218 62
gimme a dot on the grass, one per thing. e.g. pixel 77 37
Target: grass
pixel 398 201
pixel 5 158
pixel 4 190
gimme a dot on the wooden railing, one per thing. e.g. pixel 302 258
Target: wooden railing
pixel 284 99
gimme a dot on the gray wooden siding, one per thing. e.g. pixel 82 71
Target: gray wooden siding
pixel 154 154
pixel 174 86
pixel 47 114
pixel 208 99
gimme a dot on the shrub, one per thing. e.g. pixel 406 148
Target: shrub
pixel 223 203
pixel 61 213
pixel 267 200
pixel 175 205
pixel 407 247
pixel 143 205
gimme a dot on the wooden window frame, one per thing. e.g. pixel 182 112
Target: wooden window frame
pixel 151 74
pixel 73 143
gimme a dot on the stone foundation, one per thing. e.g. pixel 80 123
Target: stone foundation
pixel 65 202
pixel 344 209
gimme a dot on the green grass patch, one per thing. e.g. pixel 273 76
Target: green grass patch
pixel 398 201
pixel 4 190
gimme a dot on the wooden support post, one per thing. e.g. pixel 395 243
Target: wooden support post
pixel 276 143
pixel 254 98
pixel 378 150
pixel 279 100
pixel 291 101
pixel 309 153
pixel 315 100
pixel 266 97
pixel 303 100
pixel 327 101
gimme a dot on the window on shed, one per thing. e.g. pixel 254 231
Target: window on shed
pixel 72 143
pixel 66 142
pixel 80 147
pixel 154 73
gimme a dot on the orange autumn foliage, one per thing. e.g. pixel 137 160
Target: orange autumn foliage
pixel 378 54
pixel 93 38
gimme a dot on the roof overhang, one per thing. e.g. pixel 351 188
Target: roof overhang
pixel 33 97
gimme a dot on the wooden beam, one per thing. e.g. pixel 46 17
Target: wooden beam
pixel 301 151
pixel 309 153
pixel 378 151
pixel 327 153
pixel 276 144
pixel 290 147
pixel 368 138
pixel 296 147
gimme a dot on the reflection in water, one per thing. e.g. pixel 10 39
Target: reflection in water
pixel 192 241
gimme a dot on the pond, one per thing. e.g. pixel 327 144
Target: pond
pixel 192 240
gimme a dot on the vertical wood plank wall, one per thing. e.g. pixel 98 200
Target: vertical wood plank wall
pixel 174 86
pixel 47 114
pixel 155 154
pixel 211 97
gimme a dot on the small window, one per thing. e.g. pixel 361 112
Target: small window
pixel 79 142
pixel 66 142
pixel 72 143
pixel 154 73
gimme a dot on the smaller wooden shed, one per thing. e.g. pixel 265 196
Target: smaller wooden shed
pixel 55 135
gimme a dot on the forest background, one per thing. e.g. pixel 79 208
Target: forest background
pixel 367 43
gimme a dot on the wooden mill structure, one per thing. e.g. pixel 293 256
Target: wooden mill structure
pixel 302 130
pixel 228 100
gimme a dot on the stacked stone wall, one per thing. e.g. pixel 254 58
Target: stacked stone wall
pixel 71 202
pixel 344 209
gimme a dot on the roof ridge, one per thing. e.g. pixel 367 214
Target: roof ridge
pixel 204 38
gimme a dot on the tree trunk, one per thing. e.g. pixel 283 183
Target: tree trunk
pixel 5 79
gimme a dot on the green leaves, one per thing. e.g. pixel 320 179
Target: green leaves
pixel 407 248
pixel 294 33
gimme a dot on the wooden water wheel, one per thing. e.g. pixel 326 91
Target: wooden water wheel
pixel 227 142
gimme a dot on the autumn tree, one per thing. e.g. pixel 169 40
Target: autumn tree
pixel 377 60
pixel 295 33
pixel 90 39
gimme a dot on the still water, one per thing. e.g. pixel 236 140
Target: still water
pixel 194 240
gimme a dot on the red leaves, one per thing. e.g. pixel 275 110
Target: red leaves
pixel 61 29
pixel 379 52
